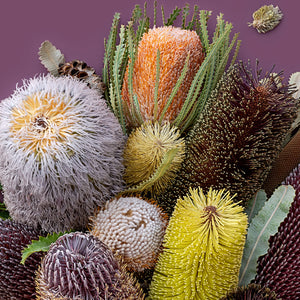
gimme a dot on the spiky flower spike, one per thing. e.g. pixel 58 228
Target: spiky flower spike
pixel 238 137
pixel 151 148
pixel 61 153
pixel 80 266
pixel 133 228
pixel 203 248
pixel 174 45
pixel 251 292
pixel 279 269
pixel 17 281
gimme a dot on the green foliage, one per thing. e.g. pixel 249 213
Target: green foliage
pixel 255 204
pixel 43 244
pixel 4 214
pixel 263 226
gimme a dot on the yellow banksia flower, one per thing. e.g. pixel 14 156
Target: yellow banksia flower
pixel 175 45
pixel 203 248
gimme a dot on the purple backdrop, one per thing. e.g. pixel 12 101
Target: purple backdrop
pixel 79 27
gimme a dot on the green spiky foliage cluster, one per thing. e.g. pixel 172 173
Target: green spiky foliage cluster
pixel 122 55
pixel 236 140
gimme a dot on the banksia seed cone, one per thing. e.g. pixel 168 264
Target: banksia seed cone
pixel 61 153
pixel 144 152
pixel 17 281
pixel 203 244
pixel 79 266
pixel 238 137
pixel 251 292
pixel 175 45
pixel 279 269
pixel 133 228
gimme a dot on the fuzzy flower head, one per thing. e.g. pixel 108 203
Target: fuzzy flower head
pixel 145 150
pixel 79 266
pixel 175 45
pixel 133 228
pixel 203 248
pixel 61 153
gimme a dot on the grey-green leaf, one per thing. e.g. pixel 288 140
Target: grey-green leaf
pixel 51 57
pixel 264 225
pixel 255 204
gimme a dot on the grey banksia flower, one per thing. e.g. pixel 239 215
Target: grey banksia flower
pixel 61 153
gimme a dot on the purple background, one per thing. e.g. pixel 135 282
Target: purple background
pixel 78 29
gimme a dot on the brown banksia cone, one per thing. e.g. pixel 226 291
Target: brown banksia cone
pixel 279 269
pixel 237 138
pixel 80 266
pixel 17 281
pixel 82 71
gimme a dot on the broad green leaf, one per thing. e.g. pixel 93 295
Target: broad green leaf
pixel 43 244
pixel 255 204
pixel 264 225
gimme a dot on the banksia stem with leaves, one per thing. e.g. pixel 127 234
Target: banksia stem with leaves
pixel 203 248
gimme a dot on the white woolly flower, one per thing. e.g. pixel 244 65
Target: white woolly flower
pixel 61 153
pixel 133 228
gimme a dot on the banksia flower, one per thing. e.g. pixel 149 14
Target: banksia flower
pixel 133 228
pixel 145 150
pixel 251 292
pixel 17 280
pixel 266 18
pixel 61 153
pixel 279 269
pixel 238 137
pixel 203 244
pixel 79 266
pixel 175 45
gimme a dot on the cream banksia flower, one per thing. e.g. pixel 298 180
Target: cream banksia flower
pixel 203 248
pixel 61 153
pixel 133 228
pixel 145 150
pixel 79 266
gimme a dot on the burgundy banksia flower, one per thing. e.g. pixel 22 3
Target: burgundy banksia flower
pixel 235 141
pixel 17 281
pixel 251 292
pixel 80 266
pixel 279 269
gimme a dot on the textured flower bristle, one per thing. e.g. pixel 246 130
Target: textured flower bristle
pixel 238 137
pixel 133 228
pixel 61 153
pixel 203 248
pixel 144 152
pixel 80 266
pixel 17 280
pixel 175 45
pixel 251 292
pixel 279 269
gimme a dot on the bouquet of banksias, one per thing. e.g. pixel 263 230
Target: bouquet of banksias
pixel 148 181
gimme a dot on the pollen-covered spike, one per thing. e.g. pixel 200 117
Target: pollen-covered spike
pixel 203 248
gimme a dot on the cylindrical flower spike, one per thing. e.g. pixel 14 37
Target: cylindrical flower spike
pixel 61 153
pixel 175 45
pixel 80 266
pixel 203 248
pixel 133 228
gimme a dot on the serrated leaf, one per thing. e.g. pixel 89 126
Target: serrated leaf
pixel 43 244
pixel 263 226
pixel 255 204
pixel 173 16
pixel 51 57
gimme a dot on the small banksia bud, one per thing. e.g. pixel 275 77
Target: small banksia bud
pixel 80 266
pixel 144 152
pixel 203 248
pixel 61 153
pixel 133 228
pixel 17 281
pixel 175 45
pixel 279 269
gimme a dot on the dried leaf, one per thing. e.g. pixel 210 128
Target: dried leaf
pixel 51 57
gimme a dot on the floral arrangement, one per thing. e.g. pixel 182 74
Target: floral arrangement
pixel 147 181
